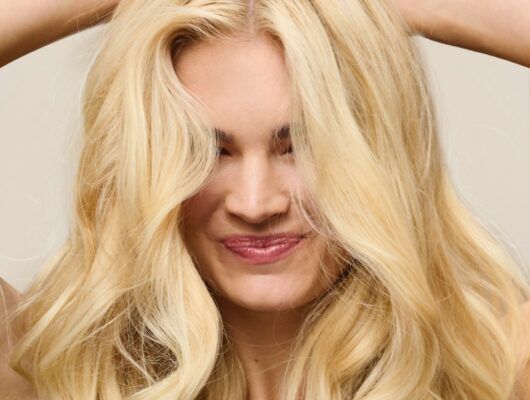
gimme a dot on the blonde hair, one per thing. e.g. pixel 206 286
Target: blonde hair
pixel 429 306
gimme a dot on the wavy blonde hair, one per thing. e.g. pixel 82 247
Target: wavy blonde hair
pixel 429 306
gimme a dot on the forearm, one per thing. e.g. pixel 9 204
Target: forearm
pixel 500 28
pixel 26 25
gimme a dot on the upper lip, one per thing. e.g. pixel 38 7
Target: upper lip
pixel 235 240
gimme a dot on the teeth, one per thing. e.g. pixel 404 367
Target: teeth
pixel 265 250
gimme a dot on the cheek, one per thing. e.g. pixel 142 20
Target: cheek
pixel 200 214
pixel 197 208
pixel 195 214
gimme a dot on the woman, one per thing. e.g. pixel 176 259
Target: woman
pixel 262 212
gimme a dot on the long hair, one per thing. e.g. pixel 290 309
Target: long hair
pixel 429 305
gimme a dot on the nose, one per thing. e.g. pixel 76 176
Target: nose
pixel 257 193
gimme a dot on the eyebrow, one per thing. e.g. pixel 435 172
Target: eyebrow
pixel 277 134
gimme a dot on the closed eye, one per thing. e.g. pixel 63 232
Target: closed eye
pixel 223 152
pixel 288 151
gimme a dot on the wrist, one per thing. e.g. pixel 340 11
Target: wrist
pixel 497 28
pixel 77 15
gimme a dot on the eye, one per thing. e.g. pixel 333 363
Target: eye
pixel 288 150
pixel 222 152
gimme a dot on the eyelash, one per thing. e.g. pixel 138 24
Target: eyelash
pixel 220 150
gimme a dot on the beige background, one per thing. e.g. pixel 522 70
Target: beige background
pixel 483 103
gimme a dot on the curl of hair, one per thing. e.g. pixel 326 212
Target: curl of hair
pixel 429 305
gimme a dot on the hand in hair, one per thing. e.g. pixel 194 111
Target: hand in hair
pixel 26 25
pixel 500 28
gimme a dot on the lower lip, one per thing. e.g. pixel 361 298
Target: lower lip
pixel 266 255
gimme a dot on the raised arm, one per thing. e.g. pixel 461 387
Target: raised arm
pixel 26 25
pixel 500 28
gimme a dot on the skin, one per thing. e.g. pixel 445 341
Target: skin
pixel 27 25
pixel 500 28
pixel 262 305
pixel 497 27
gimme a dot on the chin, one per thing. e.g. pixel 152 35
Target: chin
pixel 265 299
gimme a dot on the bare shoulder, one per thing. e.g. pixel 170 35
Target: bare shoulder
pixel 13 385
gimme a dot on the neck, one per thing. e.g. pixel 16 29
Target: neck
pixel 263 341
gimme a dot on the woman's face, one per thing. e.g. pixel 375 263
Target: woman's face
pixel 243 87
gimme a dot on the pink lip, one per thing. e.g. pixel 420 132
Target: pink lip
pixel 262 250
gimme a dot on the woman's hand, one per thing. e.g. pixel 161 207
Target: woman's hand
pixel 500 28
pixel 26 25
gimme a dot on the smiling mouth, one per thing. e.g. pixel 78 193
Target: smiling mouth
pixel 256 254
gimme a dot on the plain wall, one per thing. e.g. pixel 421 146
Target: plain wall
pixel 483 106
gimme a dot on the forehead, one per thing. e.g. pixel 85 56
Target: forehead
pixel 241 81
